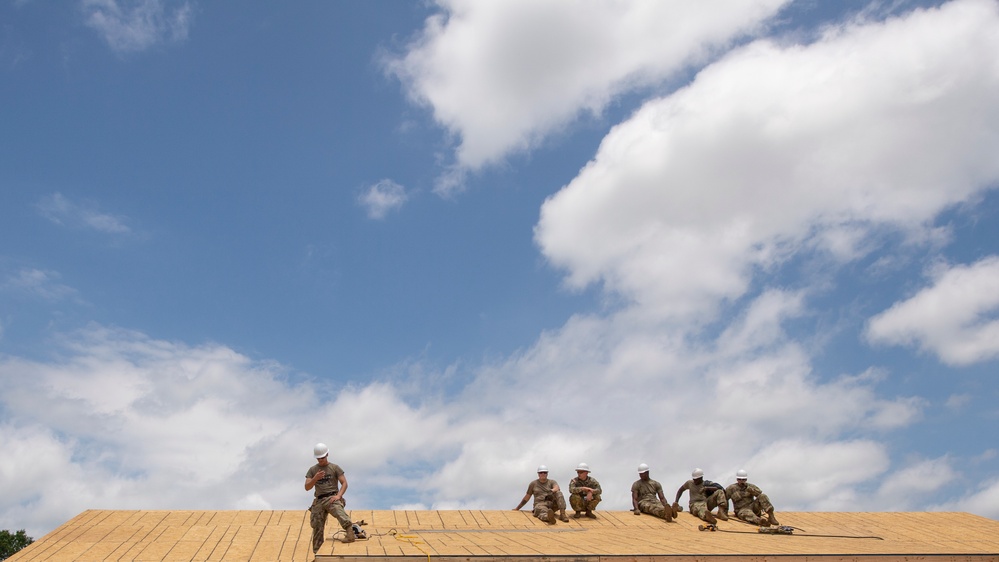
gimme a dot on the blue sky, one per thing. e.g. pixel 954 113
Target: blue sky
pixel 455 240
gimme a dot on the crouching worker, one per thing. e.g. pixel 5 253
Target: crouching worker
pixel 749 503
pixel 584 492
pixel 548 498
pixel 330 484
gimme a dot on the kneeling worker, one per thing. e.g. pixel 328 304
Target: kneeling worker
pixel 584 492
pixel 749 502
pixel 547 498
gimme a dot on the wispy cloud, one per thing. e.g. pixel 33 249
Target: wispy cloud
pixel 38 283
pixel 382 198
pixel 60 210
pixel 135 25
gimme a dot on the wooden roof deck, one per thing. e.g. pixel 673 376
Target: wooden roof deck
pixel 468 535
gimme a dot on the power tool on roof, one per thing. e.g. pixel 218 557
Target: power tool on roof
pixel 359 533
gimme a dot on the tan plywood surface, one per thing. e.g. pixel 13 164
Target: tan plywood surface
pixel 471 534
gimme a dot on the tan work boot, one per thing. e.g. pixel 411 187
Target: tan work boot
pixel 710 518
pixel 563 518
pixel 723 514
pixel 590 515
pixel 577 515
pixel 349 534
pixel 668 515
pixel 771 519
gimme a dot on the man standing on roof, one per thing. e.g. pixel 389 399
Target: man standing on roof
pixel 749 502
pixel 584 492
pixel 330 484
pixel 705 495
pixel 547 498
pixel 647 496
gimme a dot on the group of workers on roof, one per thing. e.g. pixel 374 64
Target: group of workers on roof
pixel 748 501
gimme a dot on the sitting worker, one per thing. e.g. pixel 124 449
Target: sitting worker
pixel 749 503
pixel 647 496
pixel 548 498
pixel 705 495
pixel 584 492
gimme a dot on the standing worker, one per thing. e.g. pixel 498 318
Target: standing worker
pixel 330 484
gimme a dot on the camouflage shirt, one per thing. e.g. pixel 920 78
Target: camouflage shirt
pixel 541 491
pixel 575 484
pixel 330 482
pixel 646 489
pixel 742 496
pixel 699 492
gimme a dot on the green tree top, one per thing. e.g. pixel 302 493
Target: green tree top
pixel 12 542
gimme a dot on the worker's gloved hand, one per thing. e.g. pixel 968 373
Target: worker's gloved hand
pixel 637 512
pixel 676 506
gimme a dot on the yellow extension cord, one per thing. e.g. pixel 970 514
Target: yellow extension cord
pixel 413 540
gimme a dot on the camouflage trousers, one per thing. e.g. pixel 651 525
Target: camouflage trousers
pixel 752 512
pixel 654 507
pixel 320 510
pixel 547 509
pixel 579 503
pixel 700 509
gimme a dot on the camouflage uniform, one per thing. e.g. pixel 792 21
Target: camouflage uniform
pixel 700 503
pixel 322 506
pixel 749 502
pixel 648 498
pixel 546 502
pixel 577 497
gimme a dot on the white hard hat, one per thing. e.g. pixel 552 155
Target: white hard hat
pixel 741 475
pixel 320 450
pixel 643 468
pixel 543 468
pixel 698 473
pixel 583 466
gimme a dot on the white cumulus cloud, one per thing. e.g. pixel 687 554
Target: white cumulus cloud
pixel 956 318
pixel 501 76
pixel 779 148
pixel 983 501
pixel 144 423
